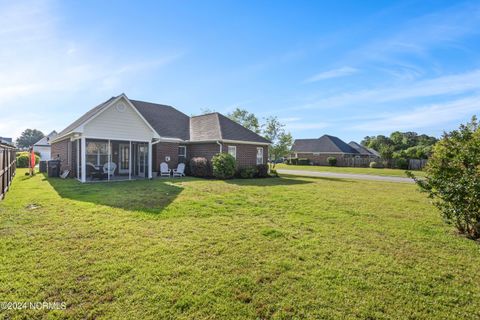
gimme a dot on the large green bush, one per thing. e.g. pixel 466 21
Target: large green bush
pixel 303 161
pixel 332 161
pixel 223 165
pixel 262 171
pixel 200 167
pixel 453 178
pixel 247 172
pixel 23 158
pixel 376 165
pixel 401 163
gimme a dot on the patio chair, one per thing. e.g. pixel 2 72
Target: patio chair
pixel 164 171
pixel 113 167
pixel 180 171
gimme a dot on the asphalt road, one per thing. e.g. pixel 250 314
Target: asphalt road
pixel 344 175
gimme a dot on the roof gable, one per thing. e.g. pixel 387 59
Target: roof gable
pixel 45 141
pixel 325 144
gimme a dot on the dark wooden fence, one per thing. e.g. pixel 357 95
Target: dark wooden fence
pixel 7 167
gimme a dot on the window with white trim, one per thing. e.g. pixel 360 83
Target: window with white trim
pixel 232 150
pixel 260 155
pixel 182 154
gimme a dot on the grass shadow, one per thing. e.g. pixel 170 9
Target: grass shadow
pixel 150 196
pixel 268 182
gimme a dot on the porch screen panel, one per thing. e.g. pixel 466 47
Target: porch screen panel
pixel 97 152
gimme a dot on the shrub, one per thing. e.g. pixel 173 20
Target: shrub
pixel 262 171
pixel 200 167
pixel 223 165
pixel 332 161
pixel 23 158
pixel 303 161
pixel 376 165
pixel 247 173
pixel 401 163
pixel 274 173
pixel 292 161
pixel 453 178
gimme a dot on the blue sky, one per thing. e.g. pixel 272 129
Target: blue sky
pixel 348 69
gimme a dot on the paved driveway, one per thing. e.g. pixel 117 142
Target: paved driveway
pixel 344 175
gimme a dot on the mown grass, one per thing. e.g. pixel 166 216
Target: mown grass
pixel 280 248
pixel 369 171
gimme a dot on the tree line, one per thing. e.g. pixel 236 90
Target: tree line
pixel 401 145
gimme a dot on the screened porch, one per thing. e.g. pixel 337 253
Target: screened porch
pixel 111 160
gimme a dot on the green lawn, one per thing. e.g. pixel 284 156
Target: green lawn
pixel 280 248
pixel 370 171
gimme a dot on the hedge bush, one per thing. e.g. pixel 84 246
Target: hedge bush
pixel 23 158
pixel 303 161
pixel 247 173
pixel 376 165
pixel 223 165
pixel 332 161
pixel 401 163
pixel 292 161
pixel 262 171
pixel 200 167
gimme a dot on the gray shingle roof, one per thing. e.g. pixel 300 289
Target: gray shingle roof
pixel 361 149
pixel 45 141
pixel 166 120
pixel 215 126
pixel 326 143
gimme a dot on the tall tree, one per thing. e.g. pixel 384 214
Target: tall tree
pixel 246 119
pixel 29 137
pixel 281 140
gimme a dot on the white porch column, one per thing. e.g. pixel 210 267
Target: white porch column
pixel 150 159
pixel 130 161
pixel 84 159
pixel 78 158
pixel 108 163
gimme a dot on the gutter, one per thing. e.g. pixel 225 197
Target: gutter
pixel 221 146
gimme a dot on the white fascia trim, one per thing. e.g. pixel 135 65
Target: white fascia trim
pixel 300 152
pixel 114 139
pixel 228 141
pixel 166 139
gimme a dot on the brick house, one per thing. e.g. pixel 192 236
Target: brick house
pixel 317 151
pixel 131 138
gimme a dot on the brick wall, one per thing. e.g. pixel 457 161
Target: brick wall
pixel 62 150
pixel 207 150
pixel 162 150
pixel 247 154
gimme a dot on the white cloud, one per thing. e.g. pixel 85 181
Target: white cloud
pixel 445 85
pixel 335 73
pixel 36 57
pixel 426 116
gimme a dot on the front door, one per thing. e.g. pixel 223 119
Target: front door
pixel 123 158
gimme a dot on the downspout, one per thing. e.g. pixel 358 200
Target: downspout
pixel 221 146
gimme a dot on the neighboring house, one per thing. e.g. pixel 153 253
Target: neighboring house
pixel 319 150
pixel 131 138
pixel 6 140
pixel 364 151
pixel 43 147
